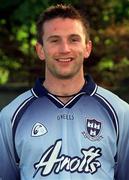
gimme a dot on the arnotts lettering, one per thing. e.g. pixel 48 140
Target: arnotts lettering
pixel 52 160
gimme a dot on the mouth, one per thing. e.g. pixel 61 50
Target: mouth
pixel 69 59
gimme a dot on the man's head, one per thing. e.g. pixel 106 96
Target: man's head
pixel 60 11
pixel 63 42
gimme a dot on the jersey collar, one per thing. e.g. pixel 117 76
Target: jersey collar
pixel 89 87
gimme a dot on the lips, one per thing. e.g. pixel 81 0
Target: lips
pixel 64 59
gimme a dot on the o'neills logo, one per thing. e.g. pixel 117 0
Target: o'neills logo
pixel 53 161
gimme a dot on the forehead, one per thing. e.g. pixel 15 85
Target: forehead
pixel 63 26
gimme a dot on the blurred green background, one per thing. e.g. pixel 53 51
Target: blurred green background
pixel 108 63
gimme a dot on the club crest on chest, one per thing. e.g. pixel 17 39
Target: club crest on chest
pixel 93 129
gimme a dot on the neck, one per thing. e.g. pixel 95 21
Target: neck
pixel 64 87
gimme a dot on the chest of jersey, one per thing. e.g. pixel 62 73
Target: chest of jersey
pixel 70 142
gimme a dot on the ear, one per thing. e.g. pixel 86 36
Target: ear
pixel 88 49
pixel 40 51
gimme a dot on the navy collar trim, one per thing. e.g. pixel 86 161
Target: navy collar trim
pixel 89 87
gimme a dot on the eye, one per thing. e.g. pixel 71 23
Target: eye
pixel 54 40
pixel 75 39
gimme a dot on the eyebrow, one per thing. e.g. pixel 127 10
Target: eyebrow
pixel 75 35
pixel 57 36
pixel 52 37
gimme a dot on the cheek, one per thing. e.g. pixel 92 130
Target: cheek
pixel 82 52
pixel 49 51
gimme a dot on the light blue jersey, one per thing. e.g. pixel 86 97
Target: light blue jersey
pixel 86 138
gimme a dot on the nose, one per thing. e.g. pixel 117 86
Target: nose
pixel 64 47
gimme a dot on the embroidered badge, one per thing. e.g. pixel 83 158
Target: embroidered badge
pixel 38 130
pixel 93 129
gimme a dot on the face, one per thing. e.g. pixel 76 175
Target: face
pixel 64 48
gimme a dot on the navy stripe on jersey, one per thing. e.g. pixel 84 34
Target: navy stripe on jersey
pixel 16 118
pixel 32 91
pixel 112 114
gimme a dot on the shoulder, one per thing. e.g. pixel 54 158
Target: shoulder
pixel 114 100
pixel 9 110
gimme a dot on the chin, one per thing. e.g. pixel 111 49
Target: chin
pixel 65 76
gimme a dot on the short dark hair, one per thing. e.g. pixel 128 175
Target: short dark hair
pixel 63 11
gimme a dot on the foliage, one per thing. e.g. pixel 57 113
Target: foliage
pixel 109 32
pixel 4 73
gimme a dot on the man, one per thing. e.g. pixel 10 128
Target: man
pixel 66 127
